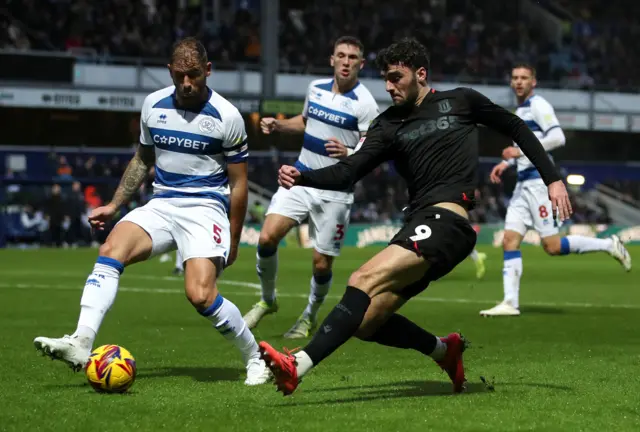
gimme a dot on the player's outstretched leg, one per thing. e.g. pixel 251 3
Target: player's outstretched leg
pixel 127 243
pixel 202 292
pixel 478 259
pixel 274 229
pixel 178 270
pixel 389 271
pixel 576 244
pixel 320 286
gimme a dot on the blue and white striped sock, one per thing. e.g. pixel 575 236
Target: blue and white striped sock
pixel 227 319
pixel 98 296
pixel 320 286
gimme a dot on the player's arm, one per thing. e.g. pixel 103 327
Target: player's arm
pixel 239 197
pixel 236 153
pixel 509 124
pixel 370 152
pixel 367 115
pixel 134 175
pixel 545 116
pixel 294 125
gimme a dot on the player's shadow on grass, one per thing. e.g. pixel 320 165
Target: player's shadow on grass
pixel 397 390
pixel 410 389
pixel 201 374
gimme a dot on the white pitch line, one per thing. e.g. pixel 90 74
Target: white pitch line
pixel 305 296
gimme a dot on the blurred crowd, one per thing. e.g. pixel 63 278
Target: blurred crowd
pixel 470 41
pixel 53 209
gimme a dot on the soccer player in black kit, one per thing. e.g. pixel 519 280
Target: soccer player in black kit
pixel 432 138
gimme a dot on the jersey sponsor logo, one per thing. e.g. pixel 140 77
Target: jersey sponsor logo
pixel 180 142
pixel 428 127
pixel 185 142
pixel 322 114
pixel 162 118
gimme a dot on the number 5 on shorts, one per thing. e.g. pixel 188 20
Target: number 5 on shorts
pixel 217 233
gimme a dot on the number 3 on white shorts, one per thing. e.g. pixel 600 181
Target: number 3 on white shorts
pixel 423 232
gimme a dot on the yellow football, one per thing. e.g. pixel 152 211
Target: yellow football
pixel 111 369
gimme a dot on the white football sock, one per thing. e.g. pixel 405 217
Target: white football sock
pixel 227 319
pixel 580 244
pixel 304 363
pixel 439 351
pixel 179 262
pixel 511 274
pixel 98 296
pixel 267 267
pixel 474 255
pixel 320 286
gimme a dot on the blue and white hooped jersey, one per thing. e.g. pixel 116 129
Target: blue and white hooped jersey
pixel 333 115
pixel 539 115
pixel 192 148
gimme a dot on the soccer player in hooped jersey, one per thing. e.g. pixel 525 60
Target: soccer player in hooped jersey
pixel 197 141
pixel 337 113
pixel 530 206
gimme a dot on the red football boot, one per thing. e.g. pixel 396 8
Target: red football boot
pixel 452 361
pixel 283 367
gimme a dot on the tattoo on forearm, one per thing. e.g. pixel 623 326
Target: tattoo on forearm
pixel 132 178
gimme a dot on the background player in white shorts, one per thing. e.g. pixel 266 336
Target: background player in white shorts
pixel 530 206
pixel 197 140
pixel 337 113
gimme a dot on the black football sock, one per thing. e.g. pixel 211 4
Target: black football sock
pixel 341 323
pixel 399 332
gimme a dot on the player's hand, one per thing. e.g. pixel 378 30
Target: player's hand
pixel 497 171
pixel 336 149
pixel 233 255
pixel 99 216
pixel 268 125
pixel 511 153
pixel 288 176
pixel 560 201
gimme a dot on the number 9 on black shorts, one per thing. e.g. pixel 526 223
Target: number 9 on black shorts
pixel 442 237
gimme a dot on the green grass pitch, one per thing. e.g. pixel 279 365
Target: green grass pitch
pixel 570 362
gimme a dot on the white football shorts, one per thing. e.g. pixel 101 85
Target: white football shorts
pixel 328 220
pixel 530 207
pixel 197 227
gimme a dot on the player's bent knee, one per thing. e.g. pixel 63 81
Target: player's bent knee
pixel 511 241
pixel 364 280
pixel 200 282
pixel 268 240
pixel 551 245
pixel 201 294
pixel 113 249
pixel 322 264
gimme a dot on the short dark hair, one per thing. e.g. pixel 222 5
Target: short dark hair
pixel 349 40
pixel 189 45
pixel 524 65
pixel 406 52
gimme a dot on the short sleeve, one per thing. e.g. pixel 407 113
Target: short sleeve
pixel 305 108
pixel 235 147
pixel 544 115
pixel 145 135
pixel 369 111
